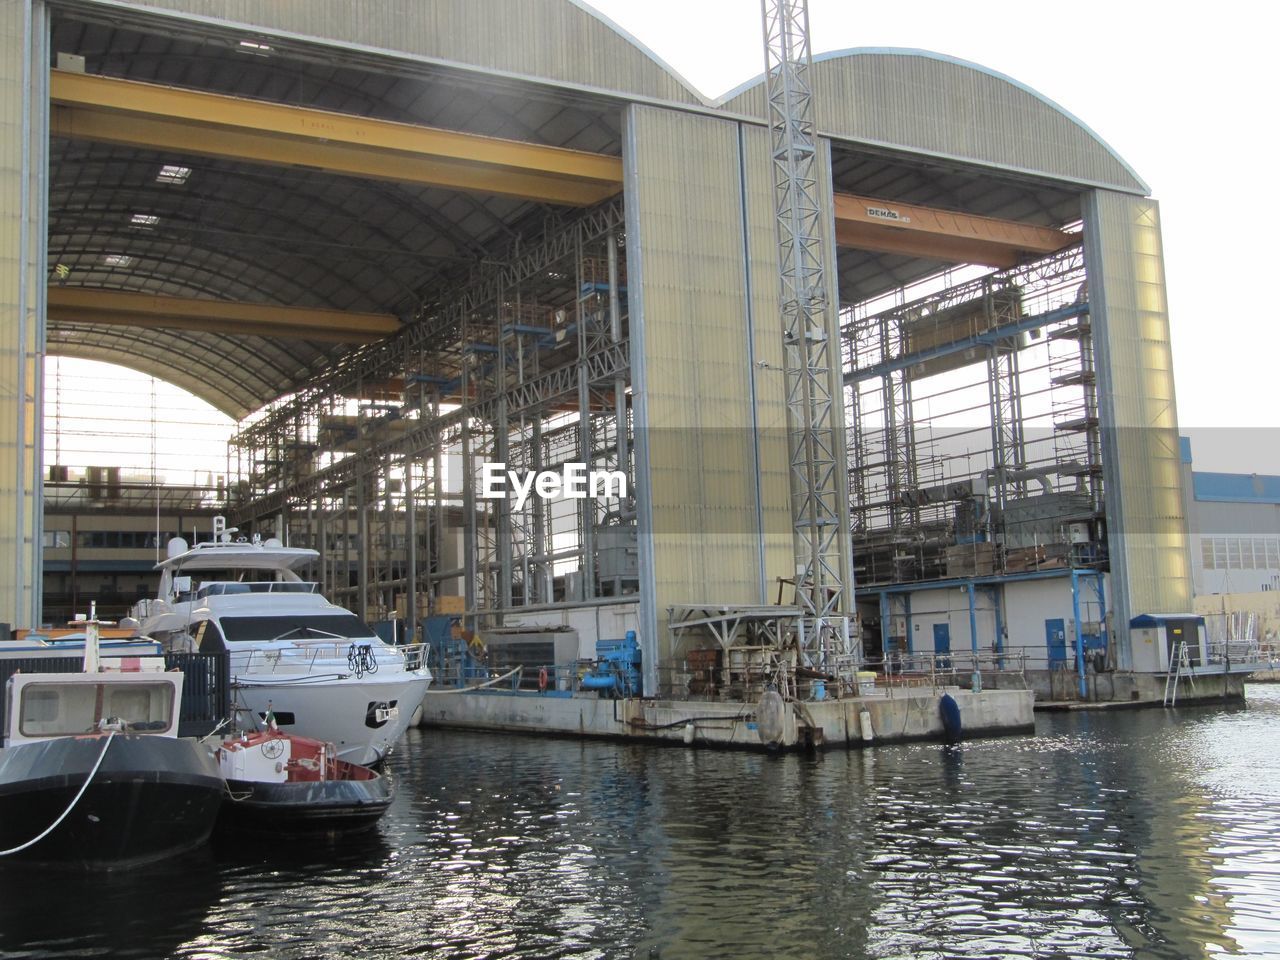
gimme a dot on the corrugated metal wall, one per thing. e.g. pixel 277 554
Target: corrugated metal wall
pixel 698 463
pixel 554 39
pixel 22 279
pixel 777 549
pixel 950 109
pixel 711 420
pixel 1150 548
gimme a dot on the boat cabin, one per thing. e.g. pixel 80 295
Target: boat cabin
pixel 41 706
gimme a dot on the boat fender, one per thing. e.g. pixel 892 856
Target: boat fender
pixel 949 711
pixel 864 724
pixel 542 679
pixel 688 734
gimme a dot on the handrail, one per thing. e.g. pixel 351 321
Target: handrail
pixel 328 656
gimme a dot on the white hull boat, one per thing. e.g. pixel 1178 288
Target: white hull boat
pixel 316 666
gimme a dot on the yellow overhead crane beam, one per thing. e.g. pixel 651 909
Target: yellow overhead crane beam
pixel 883 226
pixel 115 307
pixel 109 110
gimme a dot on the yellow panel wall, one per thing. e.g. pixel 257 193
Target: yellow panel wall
pixel 1147 527
pixel 770 390
pixel 692 366
pixel 22 98
pixel 712 469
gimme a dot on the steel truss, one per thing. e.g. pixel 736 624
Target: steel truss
pixel 811 360
pixel 528 365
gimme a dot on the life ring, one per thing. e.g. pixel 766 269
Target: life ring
pixel 542 679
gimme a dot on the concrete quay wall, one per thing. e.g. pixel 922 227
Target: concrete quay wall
pixel 902 716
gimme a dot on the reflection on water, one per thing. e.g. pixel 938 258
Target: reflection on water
pixel 1137 834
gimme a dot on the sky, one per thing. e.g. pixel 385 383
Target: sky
pixel 1188 101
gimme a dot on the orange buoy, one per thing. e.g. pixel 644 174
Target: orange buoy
pixel 542 680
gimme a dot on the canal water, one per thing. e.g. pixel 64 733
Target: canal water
pixel 1120 834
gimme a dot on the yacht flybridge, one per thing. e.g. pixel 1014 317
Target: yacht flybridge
pixel 316 667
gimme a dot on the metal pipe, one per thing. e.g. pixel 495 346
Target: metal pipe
pixel 973 637
pixel 362 547
pixel 411 554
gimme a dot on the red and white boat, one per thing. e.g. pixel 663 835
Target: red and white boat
pixel 281 783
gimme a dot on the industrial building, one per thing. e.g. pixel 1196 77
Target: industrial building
pixel 399 244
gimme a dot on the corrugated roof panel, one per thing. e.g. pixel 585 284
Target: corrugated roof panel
pixel 945 107
pixel 551 39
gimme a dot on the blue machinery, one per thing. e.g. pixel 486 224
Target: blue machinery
pixel 617 668
pixel 615 672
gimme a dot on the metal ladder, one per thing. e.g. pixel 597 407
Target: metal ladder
pixel 1178 665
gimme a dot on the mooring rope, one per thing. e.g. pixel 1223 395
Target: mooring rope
pixel 83 787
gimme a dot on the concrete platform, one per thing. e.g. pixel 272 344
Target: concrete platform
pixel 1130 691
pixel 902 716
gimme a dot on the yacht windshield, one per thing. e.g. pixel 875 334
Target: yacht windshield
pixel 299 626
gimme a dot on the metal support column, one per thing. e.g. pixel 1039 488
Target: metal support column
pixel 410 555
pixel 362 547
pixel 819 504
pixel 997 606
pixel 1079 631
pixel 971 590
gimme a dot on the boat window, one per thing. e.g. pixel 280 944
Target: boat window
pixel 257 586
pixel 260 629
pixel 67 709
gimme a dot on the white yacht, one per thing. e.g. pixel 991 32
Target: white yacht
pixel 316 666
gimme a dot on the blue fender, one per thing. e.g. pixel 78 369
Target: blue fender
pixel 949 711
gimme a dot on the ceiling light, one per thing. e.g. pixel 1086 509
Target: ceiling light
pixel 255 47
pixel 144 220
pixel 117 259
pixel 172 173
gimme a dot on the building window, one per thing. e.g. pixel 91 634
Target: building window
pixel 57 539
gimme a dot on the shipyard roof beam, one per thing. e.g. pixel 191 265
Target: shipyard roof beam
pixel 119 308
pixel 883 226
pixel 128 112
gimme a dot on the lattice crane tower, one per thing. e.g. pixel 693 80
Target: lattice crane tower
pixel 818 506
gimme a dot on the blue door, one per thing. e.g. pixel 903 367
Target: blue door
pixel 942 642
pixel 1055 635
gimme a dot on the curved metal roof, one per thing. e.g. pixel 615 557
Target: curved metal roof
pixel 251 233
pixel 556 75
pixel 940 106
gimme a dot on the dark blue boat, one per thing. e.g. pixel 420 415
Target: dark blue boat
pixel 93 775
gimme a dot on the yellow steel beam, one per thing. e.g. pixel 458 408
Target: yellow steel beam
pixel 188 121
pixel 118 308
pixel 882 226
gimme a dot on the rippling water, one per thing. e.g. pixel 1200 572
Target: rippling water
pixel 1136 834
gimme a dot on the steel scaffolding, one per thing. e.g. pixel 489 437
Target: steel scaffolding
pixel 974 443
pixel 527 364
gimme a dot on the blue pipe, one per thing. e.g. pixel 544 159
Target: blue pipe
pixel 591 681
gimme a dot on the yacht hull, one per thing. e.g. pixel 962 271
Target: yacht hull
pixel 343 711
pixel 151 798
